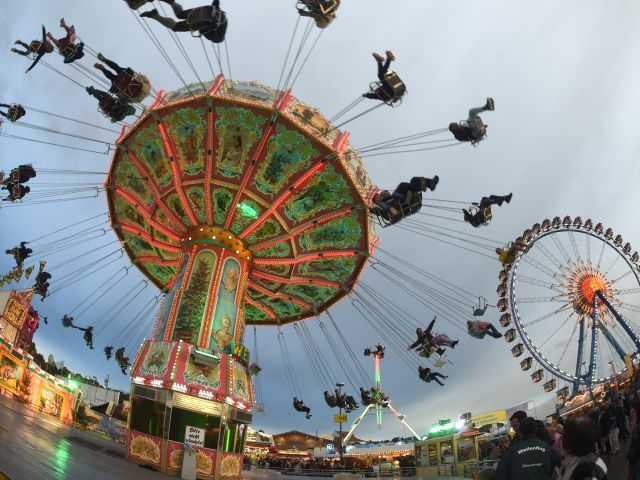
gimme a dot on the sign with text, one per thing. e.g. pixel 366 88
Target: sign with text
pixel 489 418
pixel 194 436
pixel 340 418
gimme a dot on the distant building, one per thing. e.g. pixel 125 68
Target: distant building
pixel 95 395
pixel 300 441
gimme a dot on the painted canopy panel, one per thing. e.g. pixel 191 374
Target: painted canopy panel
pixel 261 164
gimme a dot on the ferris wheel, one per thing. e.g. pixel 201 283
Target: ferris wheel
pixel 571 289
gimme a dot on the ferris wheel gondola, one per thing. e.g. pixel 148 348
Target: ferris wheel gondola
pixel 590 277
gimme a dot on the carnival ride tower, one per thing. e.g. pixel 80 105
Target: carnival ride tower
pixel 244 205
pixel 379 400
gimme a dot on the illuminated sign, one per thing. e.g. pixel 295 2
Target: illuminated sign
pixel 489 418
pixel 242 353
pixel 340 418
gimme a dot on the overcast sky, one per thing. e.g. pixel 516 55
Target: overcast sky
pixel 563 138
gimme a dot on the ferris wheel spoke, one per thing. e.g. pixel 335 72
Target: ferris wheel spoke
pixel 539 266
pixel 548 315
pixel 541 283
pixel 566 347
pixel 557 298
pixel 552 258
pixel 612 264
pixel 574 245
pixel 553 334
pixel 588 242
pixel 604 244
pixel 561 249
pixel 626 291
pixel 628 272
pixel 627 306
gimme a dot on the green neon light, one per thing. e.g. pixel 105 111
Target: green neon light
pixel 227 439
pixel 247 210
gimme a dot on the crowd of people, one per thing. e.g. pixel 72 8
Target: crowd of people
pixel 570 448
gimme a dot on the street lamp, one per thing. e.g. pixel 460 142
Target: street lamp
pixel 340 385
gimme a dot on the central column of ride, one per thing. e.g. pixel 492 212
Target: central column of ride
pixel 207 296
pixel 191 385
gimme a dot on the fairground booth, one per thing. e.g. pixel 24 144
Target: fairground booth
pixel 20 377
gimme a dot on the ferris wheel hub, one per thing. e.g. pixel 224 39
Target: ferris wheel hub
pixel 590 286
pixel 585 284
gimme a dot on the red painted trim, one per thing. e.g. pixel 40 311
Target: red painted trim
pixel 294 281
pixel 280 106
pixel 283 198
pixel 155 190
pixel 304 258
pixel 124 129
pixel 216 85
pixel 157 100
pixel 260 306
pixel 137 204
pixel 148 239
pixel 159 261
pixel 299 230
pixel 341 143
pixel 269 294
pixel 174 161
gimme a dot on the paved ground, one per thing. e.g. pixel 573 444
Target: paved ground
pixel 34 446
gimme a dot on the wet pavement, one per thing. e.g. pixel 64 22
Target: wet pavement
pixel 34 446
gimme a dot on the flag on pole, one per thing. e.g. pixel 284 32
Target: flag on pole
pixel 27 272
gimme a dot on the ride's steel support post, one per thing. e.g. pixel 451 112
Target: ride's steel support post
pixel 340 441
pixel 579 356
pixel 594 342
pixel 618 348
pixel 356 422
pixel 398 416
pixel 378 407
pixel 620 319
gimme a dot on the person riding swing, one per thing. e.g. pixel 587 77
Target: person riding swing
pixel 14 112
pixel 389 89
pixel 37 48
pixel 323 12
pixel 126 84
pixel 208 21
pixel 67 46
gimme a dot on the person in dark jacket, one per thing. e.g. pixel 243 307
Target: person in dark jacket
pixel 581 462
pixel 528 459
pixel 633 455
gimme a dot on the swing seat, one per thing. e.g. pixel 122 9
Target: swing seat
pixel 324 7
pixel 391 90
pixel 71 51
pixel 114 109
pixel 258 408
pixel 481 307
pixel 477 128
pixel 403 210
pixel 132 87
pixel 488 214
pixel 136 4
pixel 208 22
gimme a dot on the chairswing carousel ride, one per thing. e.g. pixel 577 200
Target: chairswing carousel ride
pixel 244 206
